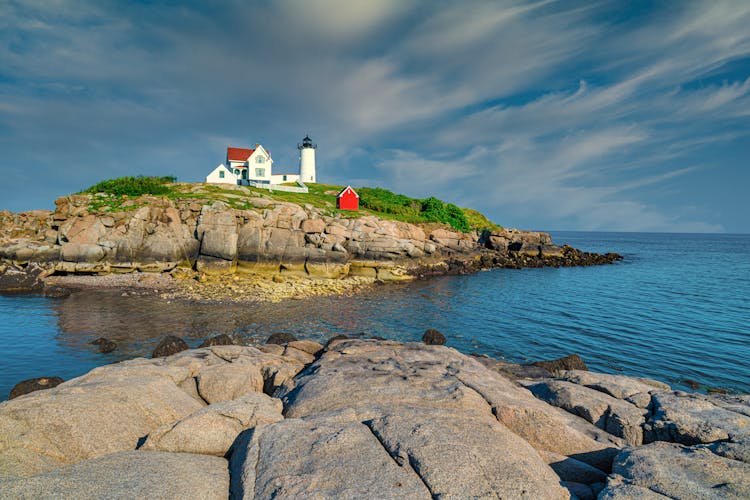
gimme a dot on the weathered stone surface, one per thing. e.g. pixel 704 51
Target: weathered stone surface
pixel 298 354
pixel 618 490
pixel 169 345
pixel 572 470
pixel 513 370
pixel 680 472
pixel 739 449
pixel 359 374
pixel 217 230
pixel 579 491
pixel 571 362
pixel 694 418
pixel 16 279
pixel 212 429
pixel 78 420
pixel 613 415
pixel 313 225
pixel 318 457
pixel 34 384
pixel 617 386
pixel 433 337
pixel 129 474
pixel 245 374
pixel 307 346
pixel 460 455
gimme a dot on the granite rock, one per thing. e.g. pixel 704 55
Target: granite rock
pixel 212 429
pixel 128 474
pixel 677 471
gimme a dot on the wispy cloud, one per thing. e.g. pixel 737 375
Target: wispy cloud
pixel 542 113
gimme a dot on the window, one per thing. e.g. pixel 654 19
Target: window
pixel 236 171
pixel 221 174
pixel 285 177
pixel 260 172
pixel 259 159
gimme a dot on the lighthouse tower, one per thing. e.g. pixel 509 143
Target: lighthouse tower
pixel 307 160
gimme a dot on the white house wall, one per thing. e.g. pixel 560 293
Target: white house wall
pixel 214 176
pixel 279 178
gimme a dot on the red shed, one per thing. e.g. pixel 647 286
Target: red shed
pixel 347 199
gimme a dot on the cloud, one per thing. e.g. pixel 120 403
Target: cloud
pixel 546 113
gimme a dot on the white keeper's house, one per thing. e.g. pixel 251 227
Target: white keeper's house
pixel 255 166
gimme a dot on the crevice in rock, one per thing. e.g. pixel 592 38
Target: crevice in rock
pixel 198 392
pixel 237 463
pixel 468 385
pixel 232 417
pixel 398 458
pixel 415 467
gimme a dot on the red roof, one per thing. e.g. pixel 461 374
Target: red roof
pixel 347 188
pixel 238 154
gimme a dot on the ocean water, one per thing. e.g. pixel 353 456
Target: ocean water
pixel 677 307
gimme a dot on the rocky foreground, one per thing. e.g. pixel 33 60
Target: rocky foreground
pixel 368 419
pixel 273 240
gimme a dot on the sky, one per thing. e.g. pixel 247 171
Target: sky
pixel 550 115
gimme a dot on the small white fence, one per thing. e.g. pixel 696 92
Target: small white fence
pixel 300 188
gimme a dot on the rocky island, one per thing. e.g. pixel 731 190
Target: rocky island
pixel 369 419
pixel 240 243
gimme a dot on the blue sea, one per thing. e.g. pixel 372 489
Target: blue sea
pixel 677 307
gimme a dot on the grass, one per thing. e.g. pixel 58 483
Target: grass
pixel 133 186
pixel 118 195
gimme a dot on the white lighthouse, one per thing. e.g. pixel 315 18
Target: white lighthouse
pixel 307 159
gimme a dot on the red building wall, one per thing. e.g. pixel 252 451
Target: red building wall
pixel 348 200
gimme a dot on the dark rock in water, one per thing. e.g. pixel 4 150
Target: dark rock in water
pixel 34 384
pixel 169 345
pixel 334 338
pixel 221 339
pixel 105 345
pixel 717 390
pixel 377 337
pixel 281 338
pixel 691 383
pixel 572 362
pixel 433 337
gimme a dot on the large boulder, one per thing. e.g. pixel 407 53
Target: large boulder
pixel 34 384
pixel 676 471
pixel 77 421
pixel 367 373
pixel 129 474
pixel 212 429
pixel 461 455
pixel 113 407
pixel 617 386
pixel 693 418
pixel 613 415
pixel 318 457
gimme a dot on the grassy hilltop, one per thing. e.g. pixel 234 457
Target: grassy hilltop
pixel 124 193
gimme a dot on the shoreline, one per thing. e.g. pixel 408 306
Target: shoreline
pixel 374 409
pixel 191 286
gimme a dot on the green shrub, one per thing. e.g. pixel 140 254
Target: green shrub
pixel 384 201
pixel 434 210
pixel 428 210
pixel 133 186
